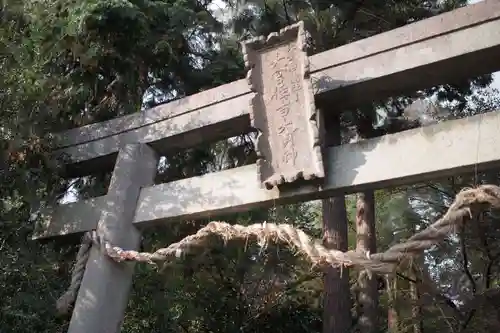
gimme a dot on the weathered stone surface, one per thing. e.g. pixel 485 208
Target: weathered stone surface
pixel 152 116
pixel 283 110
pixel 432 51
pixel 284 113
pixel 103 294
pixel 391 160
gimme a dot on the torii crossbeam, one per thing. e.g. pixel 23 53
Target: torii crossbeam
pixel 278 99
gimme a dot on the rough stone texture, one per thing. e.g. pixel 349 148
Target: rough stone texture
pixel 152 116
pixel 103 295
pixel 432 51
pixel 211 123
pixel 417 32
pixel 396 159
pixel 58 220
pixel 283 110
pixel 404 68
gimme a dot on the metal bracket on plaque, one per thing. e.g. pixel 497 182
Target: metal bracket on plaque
pixel 283 110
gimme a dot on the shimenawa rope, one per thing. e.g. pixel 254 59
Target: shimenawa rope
pixel 466 202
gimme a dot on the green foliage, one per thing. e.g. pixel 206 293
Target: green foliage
pixel 69 63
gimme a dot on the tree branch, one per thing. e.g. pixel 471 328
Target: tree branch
pixel 487 251
pixel 434 293
pixel 468 319
pixel 465 260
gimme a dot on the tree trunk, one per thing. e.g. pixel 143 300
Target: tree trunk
pixel 392 313
pixel 337 301
pixel 366 241
pixel 416 272
pixel 416 310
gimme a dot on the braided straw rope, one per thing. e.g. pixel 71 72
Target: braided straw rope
pixel 64 303
pixel 461 210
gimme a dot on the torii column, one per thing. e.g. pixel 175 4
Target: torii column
pixel 105 288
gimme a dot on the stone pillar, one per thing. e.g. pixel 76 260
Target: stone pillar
pixel 103 295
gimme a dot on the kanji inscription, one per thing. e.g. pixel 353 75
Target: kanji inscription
pixel 283 109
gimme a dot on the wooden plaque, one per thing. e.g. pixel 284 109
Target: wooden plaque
pixel 283 110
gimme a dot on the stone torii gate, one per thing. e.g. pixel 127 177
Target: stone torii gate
pixel 278 99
